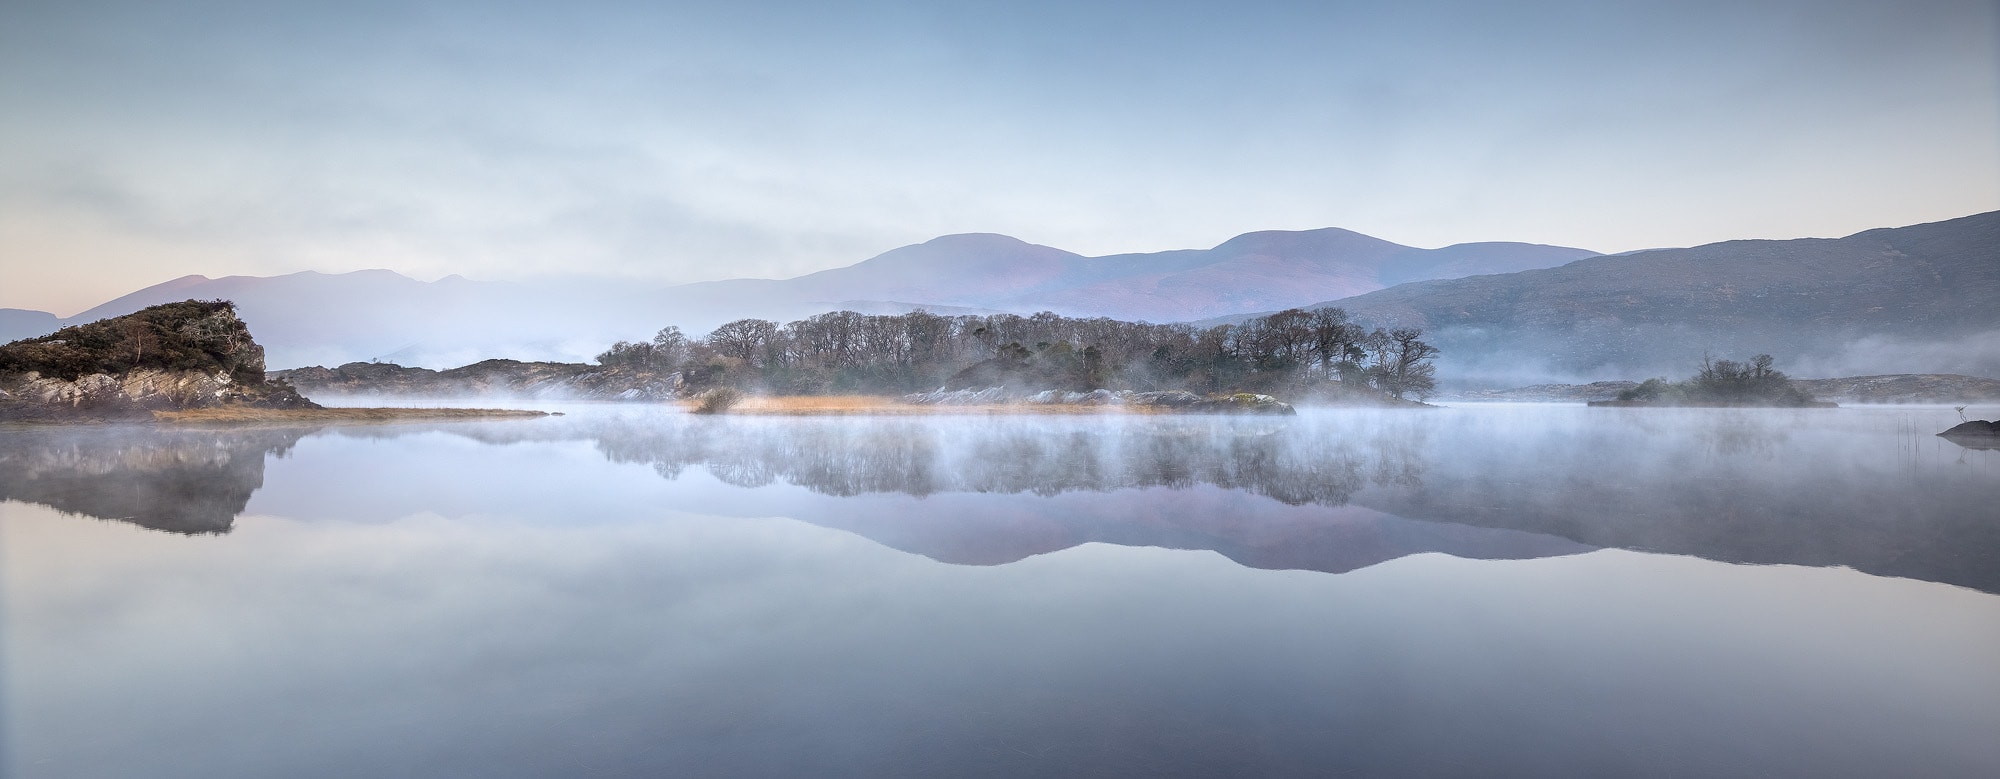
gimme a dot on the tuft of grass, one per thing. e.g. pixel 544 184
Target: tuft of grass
pixel 718 400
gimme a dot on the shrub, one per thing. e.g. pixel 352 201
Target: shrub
pixel 718 400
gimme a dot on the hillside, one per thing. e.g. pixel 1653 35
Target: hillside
pixel 1916 299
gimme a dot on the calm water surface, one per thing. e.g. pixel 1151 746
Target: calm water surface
pixel 625 591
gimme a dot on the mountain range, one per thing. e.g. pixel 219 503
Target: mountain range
pixel 1917 299
pixel 316 318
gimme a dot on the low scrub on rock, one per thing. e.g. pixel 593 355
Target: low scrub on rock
pixel 194 335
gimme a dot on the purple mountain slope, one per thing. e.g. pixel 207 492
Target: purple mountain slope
pixel 1916 299
pixel 1256 270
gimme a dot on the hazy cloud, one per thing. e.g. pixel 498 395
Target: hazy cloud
pixel 770 139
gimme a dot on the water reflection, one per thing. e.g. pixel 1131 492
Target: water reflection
pixel 179 481
pixel 1328 492
pixel 618 594
pixel 916 457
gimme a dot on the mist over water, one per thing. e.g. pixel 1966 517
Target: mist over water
pixel 629 590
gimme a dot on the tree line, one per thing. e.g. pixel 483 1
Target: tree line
pixel 1294 352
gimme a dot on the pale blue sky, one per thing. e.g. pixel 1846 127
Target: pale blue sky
pixel 143 141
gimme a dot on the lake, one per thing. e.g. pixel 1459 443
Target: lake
pixel 1500 590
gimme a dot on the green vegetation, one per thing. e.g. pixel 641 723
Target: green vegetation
pixel 196 335
pixel 1318 353
pixel 1723 383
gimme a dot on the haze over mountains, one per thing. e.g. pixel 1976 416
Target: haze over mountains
pixel 1918 299
pixel 314 318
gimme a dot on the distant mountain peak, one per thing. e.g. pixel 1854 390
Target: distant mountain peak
pixel 975 239
pixel 364 273
pixel 1320 242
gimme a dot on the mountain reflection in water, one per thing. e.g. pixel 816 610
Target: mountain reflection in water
pixel 1327 491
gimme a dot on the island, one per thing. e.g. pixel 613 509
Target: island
pixel 844 362
pixel 1723 384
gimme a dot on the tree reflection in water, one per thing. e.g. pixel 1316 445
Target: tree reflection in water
pixel 918 457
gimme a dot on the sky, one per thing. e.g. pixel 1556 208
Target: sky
pixel 672 142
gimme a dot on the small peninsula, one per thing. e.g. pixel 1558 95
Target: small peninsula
pixel 192 361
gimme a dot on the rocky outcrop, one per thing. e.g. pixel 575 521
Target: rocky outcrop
pixel 1176 400
pixel 491 378
pixel 173 357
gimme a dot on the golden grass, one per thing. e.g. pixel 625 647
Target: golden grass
pixel 871 405
pixel 238 416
